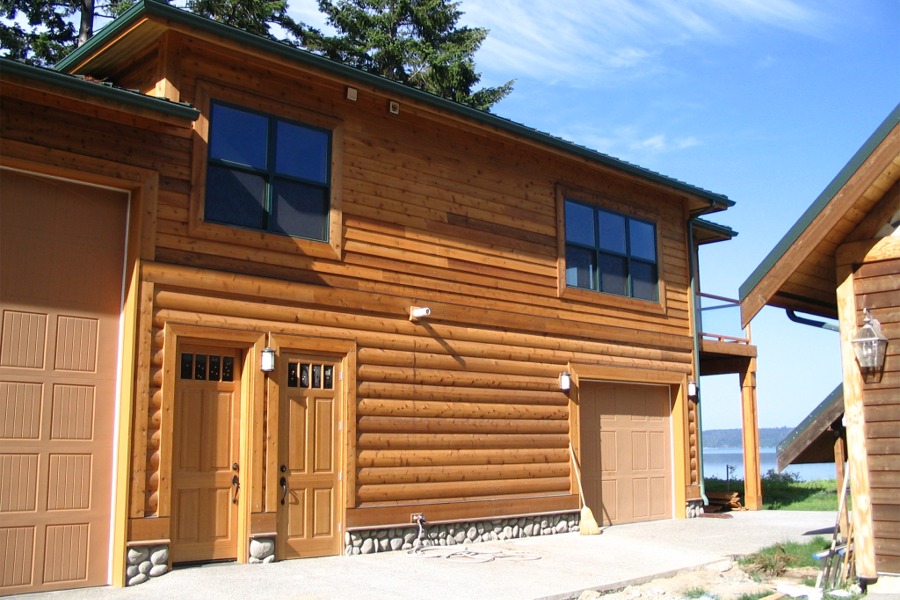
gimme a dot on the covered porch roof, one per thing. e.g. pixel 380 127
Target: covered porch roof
pixel 812 441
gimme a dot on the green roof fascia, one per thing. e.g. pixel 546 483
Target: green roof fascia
pixel 836 396
pixel 820 203
pixel 722 230
pixel 157 8
pixel 76 84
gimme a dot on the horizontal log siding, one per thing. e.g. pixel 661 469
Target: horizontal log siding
pixel 464 407
pixel 875 286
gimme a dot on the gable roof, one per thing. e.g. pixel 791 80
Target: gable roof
pixel 147 20
pixel 799 272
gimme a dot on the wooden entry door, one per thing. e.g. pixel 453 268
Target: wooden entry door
pixel 62 251
pixel 309 470
pixel 206 475
pixel 626 451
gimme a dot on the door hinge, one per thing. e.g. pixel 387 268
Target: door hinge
pixel 340 425
pixel 340 375
pixel 340 475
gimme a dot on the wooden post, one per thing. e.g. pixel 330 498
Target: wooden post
pixel 855 421
pixel 752 477
pixel 840 456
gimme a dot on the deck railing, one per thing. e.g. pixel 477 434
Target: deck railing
pixel 721 314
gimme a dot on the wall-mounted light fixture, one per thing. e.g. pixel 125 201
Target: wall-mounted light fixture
pixel 870 345
pixel 418 312
pixel 565 381
pixel 267 358
pixel 693 390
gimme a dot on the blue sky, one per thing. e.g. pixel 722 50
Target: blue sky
pixel 761 100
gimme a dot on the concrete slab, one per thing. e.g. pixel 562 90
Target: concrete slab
pixel 555 567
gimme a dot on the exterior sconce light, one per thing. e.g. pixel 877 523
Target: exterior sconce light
pixel 693 391
pixel 565 381
pixel 267 360
pixel 870 345
pixel 418 312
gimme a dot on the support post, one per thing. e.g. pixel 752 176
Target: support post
pixel 855 422
pixel 750 428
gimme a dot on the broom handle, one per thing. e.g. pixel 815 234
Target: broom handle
pixel 577 474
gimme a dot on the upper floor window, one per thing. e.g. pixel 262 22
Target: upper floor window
pixel 268 173
pixel 610 252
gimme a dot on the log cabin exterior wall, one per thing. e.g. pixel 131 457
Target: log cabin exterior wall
pixel 875 287
pixel 460 416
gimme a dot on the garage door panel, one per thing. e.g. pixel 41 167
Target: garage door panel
pixel 24 340
pixel 16 556
pixel 20 410
pixel 640 459
pixel 18 482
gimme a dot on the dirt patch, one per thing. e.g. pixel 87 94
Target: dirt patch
pixel 723 580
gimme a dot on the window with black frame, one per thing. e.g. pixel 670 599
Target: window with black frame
pixel 610 252
pixel 267 173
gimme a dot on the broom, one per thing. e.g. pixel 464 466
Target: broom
pixel 587 524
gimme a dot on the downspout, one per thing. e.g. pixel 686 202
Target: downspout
pixel 693 261
pixel 793 316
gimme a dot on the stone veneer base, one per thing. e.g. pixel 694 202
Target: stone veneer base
pixel 370 541
pixel 145 562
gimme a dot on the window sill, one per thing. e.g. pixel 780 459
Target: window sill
pixel 614 301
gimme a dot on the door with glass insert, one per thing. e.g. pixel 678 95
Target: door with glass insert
pixel 309 467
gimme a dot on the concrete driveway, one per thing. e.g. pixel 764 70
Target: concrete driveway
pixel 557 566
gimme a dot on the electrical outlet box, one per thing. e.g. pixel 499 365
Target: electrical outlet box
pixel 414 517
pixel 394 107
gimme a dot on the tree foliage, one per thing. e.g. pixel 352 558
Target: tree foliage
pixel 415 42
pixel 253 16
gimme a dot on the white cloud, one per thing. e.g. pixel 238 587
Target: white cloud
pixel 558 40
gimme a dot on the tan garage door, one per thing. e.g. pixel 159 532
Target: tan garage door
pixel 626 451
pixel 61 261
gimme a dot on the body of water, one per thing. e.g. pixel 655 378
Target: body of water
pixel 716 461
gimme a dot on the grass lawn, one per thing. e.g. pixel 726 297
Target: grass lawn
pixel 785 492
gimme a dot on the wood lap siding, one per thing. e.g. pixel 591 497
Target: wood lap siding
pixel 875 286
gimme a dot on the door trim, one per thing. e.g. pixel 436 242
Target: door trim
pixel 251 417
pixel 680 427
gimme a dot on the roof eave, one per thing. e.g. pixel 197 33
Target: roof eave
pixel 76 84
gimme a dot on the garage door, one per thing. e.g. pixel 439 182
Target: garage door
pixel 626 451
pixel 61 264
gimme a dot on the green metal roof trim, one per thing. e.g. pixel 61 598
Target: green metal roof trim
pixel 157 8
pixel 820 203
pixel 722 231
pixel 102 90
pixel 830 402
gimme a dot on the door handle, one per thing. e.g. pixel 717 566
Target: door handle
pixel 283 483
pixel 236 483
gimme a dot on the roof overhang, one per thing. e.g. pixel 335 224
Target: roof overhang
pixel 71 86
pixel 707 232
pixel 812 441
pixel 142 25
pixel 799 272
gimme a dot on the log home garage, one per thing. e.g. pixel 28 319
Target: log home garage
pixel 346 305
pixel 841 260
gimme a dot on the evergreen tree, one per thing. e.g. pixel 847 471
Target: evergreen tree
pixel 254 16
pixel 415 42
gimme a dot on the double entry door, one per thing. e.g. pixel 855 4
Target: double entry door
pixel 209 482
